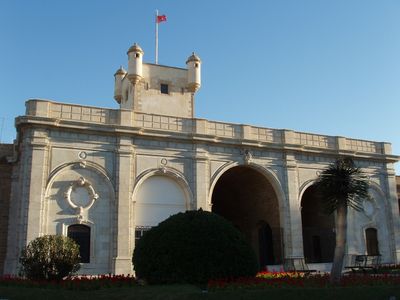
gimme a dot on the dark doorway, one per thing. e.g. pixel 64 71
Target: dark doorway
pixel 318 229
pixel 244 196
pixel 81 235
pixel 266 244
pixel 371 237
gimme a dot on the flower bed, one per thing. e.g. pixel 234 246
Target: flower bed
pixel 73 283
pixel 263 280
pixel 300 280
pixel 281 274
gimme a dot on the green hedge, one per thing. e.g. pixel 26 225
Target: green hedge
pixel 193 247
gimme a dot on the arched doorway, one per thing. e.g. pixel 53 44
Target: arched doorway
pixel 318 229
pixel 245 197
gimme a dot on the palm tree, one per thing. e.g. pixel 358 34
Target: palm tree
pixel 340 186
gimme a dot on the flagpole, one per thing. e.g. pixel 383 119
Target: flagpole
pixel 156 59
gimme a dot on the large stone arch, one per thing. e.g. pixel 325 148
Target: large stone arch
pixel 269 174
pixel 82 192
pixel 251 197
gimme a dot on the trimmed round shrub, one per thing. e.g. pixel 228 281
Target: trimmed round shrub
pixel 50 257
pixel 193 247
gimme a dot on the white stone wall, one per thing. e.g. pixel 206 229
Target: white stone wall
pixel 145 96
pixel 118 156
pixel 59 213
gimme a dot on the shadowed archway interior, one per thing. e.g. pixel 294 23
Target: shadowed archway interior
pixel 318 229
pixel 245 197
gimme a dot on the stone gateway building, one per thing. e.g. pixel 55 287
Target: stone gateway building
pixel 105 176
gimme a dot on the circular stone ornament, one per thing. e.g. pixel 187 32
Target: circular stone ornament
pixel 81 194
pixel 82 155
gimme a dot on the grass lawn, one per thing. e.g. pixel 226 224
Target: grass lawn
pixel 193 292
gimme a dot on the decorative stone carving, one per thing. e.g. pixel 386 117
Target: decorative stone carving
pixel 81 196
pixel 82 155
pixel 247 156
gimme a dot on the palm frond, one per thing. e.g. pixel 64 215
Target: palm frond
pixel 342 183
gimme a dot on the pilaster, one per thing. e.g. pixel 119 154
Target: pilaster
pixel 28 188
pixel 394 221
pixel 201 180
pixel 124 182
pixel 295 246
pixel 36 180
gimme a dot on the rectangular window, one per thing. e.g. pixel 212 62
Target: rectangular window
pixel 81 235
pixel 371 236
pixel 164 88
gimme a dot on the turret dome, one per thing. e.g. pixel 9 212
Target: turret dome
pixel 135 48
pixel 193 57
pixel 120 71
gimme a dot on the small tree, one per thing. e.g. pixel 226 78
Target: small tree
pixel 340 186
pixel 50 257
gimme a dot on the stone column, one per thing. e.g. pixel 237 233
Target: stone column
pixel 14 217
pixel 394 220
pixel 36 180
pixel 201 180
pixel 124 183
pixel 294 244
pixel 28 188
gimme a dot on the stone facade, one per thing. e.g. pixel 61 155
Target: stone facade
pixel 120 171
pixel 398 189
pixel 6 151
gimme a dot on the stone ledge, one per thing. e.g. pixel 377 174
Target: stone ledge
pixel 117 121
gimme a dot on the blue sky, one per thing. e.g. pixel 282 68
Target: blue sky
pixel 328 67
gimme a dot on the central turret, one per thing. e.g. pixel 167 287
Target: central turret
pixel 157 89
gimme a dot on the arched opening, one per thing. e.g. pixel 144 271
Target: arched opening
pixel 371 238
pixel 318 229
pixel 244 196
pixel 81 235
pixel 157 198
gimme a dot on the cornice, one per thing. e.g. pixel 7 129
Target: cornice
pixel 192 137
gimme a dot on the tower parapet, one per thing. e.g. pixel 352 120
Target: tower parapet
pixel 157 89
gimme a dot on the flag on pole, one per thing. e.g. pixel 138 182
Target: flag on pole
pixel 159 19
pixel 162 18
